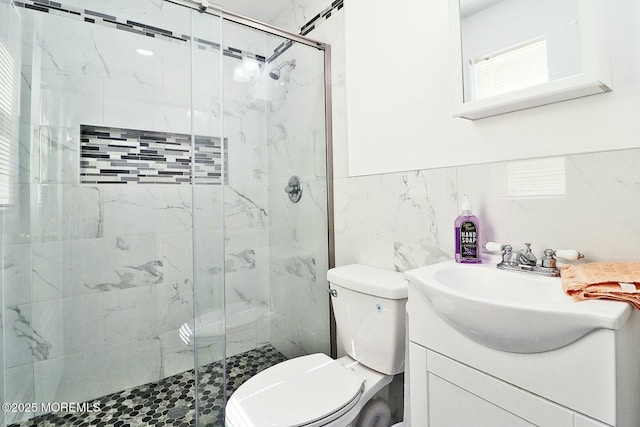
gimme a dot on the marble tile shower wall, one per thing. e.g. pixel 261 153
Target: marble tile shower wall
pixel 404 220
pixel 246 217
pixel 99 277
pixel 295 332
pixel 298 231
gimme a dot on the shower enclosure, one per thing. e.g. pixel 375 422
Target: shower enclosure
pixel 151 235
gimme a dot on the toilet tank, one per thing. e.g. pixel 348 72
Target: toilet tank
pixel 369 307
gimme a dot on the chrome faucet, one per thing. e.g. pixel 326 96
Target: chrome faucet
pixel 526 261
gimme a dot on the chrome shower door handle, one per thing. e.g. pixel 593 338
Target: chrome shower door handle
pixel 294 189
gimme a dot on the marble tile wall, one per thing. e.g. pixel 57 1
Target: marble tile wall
pixel 246 205
pixel 320 20
pixel 395 221
pixel 406 222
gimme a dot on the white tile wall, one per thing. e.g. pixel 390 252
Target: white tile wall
pixel 382 220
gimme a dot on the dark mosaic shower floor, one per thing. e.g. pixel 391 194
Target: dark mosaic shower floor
pixel 169 402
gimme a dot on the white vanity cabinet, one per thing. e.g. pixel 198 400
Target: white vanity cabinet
pixel 455 382
pixel 446 393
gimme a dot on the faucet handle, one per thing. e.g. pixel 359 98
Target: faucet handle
pixel 550 255
pixel 549 260
pixel 568 254
pixel 509 257
pixel 494 247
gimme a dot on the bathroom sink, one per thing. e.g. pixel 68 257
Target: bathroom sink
pixel 511 311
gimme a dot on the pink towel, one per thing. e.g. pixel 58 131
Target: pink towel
pixel 618 281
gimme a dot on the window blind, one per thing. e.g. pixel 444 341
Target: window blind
pixel 7 113
pixel 516 68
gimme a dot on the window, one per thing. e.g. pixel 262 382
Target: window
pixel 7 125
pixel 515 68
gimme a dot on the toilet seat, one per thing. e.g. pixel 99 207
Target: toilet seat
pixel 306 391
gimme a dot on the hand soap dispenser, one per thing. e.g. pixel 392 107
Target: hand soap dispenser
pixel 467 227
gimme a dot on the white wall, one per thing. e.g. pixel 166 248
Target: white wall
pixel 399 96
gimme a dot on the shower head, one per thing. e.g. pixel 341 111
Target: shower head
pixel 276 71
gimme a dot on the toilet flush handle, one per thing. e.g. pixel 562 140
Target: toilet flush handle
pixel 333 292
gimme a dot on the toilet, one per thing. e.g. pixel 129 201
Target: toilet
pixel 316 390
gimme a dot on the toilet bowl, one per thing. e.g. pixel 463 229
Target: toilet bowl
pixel 313 390
pixel 316 390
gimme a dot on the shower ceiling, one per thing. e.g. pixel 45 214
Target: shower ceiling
pixel 263 10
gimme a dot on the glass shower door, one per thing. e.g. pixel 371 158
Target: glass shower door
pixel 276 247
pixel 209 159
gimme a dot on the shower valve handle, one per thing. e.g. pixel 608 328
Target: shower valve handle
pixel 294 189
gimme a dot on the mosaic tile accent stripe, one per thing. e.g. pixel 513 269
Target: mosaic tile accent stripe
pixel 158 403
pixel 130 156
pixel 307 28
pixel 326 14
pixel 93 17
